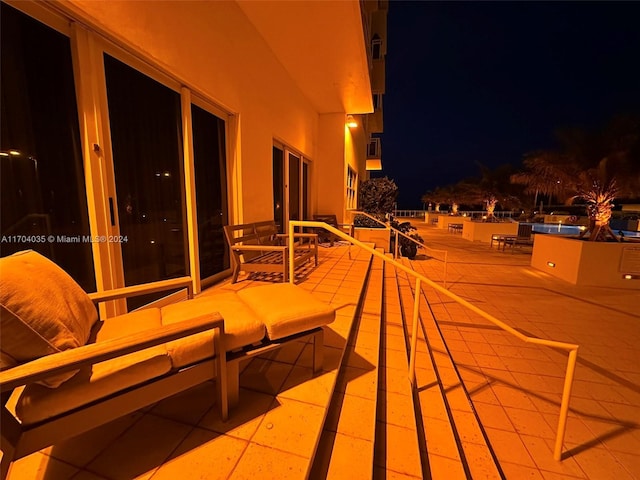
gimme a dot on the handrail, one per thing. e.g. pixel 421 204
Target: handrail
pixel 570 347
pixel 419 243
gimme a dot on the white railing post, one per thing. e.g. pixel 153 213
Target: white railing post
pixel 564 405
pixel 291 253
pixel 445 269
pixel 395 247
pixel 414 334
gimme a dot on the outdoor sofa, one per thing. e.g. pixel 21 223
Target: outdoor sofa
pixel 65 371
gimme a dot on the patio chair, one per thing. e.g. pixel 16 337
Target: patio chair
pixel 325 236
pixel 64 371
pixel 523 237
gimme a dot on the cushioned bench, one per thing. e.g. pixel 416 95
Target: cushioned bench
pixel 64 371
pixel 258 247
pixel 257 320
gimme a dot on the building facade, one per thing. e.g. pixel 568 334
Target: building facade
pixel 133 131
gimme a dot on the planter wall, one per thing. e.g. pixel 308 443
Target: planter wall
pixel 581 262
pixel 431 218
pixel 381 237
pixel 445 220
pixel 482 231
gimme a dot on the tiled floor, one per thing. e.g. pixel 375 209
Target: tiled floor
pixel 515 387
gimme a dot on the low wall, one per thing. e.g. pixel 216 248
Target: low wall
pixel 482 231
pixel 445 220
pixel 381 237
pixel 580 262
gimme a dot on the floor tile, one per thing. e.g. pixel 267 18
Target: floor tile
pixel 41 467
pixel 244 418
pixel 291 426
pixel 261 462
pixel 141 450
pixel 203 454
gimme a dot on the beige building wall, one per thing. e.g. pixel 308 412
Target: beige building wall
pixel 213 48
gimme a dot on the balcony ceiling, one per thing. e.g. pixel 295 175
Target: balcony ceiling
pixel 321 45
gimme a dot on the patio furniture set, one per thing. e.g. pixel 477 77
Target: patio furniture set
pixel 65 371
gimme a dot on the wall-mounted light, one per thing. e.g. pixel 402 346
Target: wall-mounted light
pixel 551 264
pixel 351 121
pixel 628 276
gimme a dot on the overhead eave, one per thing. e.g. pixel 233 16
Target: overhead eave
pixel 321 45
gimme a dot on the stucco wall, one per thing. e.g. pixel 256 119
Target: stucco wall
pixel 214 49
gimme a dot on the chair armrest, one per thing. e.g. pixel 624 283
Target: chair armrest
pixel 136 290
pixel 75 358
pixel 257 248
pixel 297 235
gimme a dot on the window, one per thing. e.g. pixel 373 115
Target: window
pixel 211 191
pixel 376 47
pixel 377 101
pixel 352 190
pixel 278 188
pixel 373 148
pixel 138 192
pixel 44 201
pixel 144 118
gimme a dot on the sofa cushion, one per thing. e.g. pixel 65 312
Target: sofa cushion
pixel 39 403
pixel 42 311
pixel 241 326
pixel 286 309
pixel 102 379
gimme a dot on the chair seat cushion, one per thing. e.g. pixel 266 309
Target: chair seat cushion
pixel 286 309
pixel 242 326
pixel 37 403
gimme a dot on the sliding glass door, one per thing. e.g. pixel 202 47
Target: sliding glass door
pixel 290 182
pixel 43 196
pixel 209 152
pixel 146 141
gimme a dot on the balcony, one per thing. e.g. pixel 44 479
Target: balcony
pixel 485 403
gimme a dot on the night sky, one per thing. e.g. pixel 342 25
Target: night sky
pixel 487 82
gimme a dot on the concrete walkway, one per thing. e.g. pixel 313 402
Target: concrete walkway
pixel 516 387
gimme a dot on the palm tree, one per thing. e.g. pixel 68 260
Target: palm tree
pixel 548 173
pixel 596 168
pixel 492 189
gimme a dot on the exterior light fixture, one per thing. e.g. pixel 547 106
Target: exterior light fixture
pixel 351 122
pixel 627 277
pixel 551 264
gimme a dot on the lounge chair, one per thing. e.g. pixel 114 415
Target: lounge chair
pixel 523 237
pixel 65 372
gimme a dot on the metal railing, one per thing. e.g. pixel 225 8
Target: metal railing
pixel 468 213
pixel 409 213
pixel 571 348
pixel 417 242
pixel 483 213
